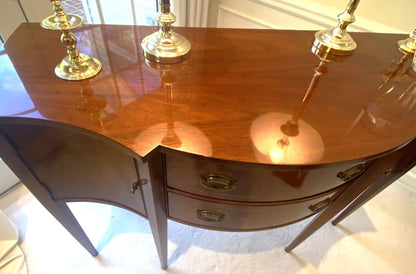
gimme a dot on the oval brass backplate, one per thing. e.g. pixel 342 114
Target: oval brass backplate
pixel 209 215
pixel 218 182
pixel 352 172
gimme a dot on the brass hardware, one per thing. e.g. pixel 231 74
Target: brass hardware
pixel 388 171
pixel 134 187
pixel 209 215
pixel 165 46
pixel 320 205
pixel 75 66
pixel 54 21
pixel 352 172
pixel 336 41
pixel 218 182
pixel 408 46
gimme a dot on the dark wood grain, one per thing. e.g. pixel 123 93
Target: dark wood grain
pixel 58 209
pixel 253 182
pixel 75 166
pixel 381 173
pixel 239 217
pixel 221 111
pixel 154 194
pixel 232 79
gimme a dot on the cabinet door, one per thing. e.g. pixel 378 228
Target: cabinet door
pixel 74 166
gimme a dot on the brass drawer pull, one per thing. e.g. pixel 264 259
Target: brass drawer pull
pixel 209 215
pixel 136 186
pixel 320 205
pixel 218 182
pixel 352 172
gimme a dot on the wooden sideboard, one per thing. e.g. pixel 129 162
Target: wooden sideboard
pixel 200 142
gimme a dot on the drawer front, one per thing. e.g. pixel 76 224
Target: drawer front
pixel 253 182
pixel 214 215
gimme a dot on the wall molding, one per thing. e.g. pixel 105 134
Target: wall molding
pixel 305 13
pixel 191 13
pixel 222 10
pixel 322 14
pixel 311 13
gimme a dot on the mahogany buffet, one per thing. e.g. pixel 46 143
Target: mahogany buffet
pixel 210 142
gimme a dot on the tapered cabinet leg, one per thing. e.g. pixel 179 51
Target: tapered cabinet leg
pixel 58 209
pixel 401 168
pixel 392 168
pixel 64 215
pixel 151 176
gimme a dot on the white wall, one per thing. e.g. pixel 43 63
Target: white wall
pixel 398 14
pixel 372 15
pixel 11 15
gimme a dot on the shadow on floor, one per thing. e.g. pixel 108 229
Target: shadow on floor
pixel 112 221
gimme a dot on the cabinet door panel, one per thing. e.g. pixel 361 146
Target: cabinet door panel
pixel 74 166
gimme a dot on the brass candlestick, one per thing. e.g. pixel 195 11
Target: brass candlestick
pixel 408 46
pixel 75 66
pixel 337 41
pixel 166 46
pixel 53 22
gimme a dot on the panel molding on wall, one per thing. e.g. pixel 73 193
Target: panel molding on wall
pixel 232 17
pixel 300 14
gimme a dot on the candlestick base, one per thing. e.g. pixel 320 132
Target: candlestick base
pixel 52 22
pixel 407 46
pixel 336 42
pixel 326 43
pixel 87 68
pixel 166 48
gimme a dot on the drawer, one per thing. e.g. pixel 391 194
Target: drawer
pixel 214 215
pixel 253 182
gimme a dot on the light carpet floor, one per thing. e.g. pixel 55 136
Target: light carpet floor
pixel 378 238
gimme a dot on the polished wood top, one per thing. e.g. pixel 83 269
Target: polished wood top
pixel 228 101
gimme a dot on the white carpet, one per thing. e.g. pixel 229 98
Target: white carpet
pixel 12 259
pixel 378 238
